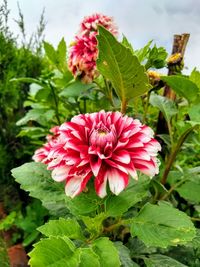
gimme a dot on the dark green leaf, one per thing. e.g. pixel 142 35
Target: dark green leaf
pixel 117 63
pixel 136 191
pixel 61 228
pixel 162 225
pixel 124 255
pixel 162 260
pixel 166 106
pixel 75 89
pixel 182 86
pixel 35 179
pixel 107 252
pixel 40 115
pixel 190 190
pixel 88 258
pixel 54 252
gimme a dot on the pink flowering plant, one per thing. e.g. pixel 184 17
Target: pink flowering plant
pixel 109 182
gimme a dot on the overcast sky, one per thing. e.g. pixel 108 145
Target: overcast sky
pixel 140 21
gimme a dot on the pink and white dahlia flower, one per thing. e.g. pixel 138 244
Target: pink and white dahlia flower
pixel 107 145
pixel 90 23
pixel 83 56
pixel 83 53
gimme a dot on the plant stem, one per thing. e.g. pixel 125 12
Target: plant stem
pixel 194 219
pixel 56 103
pixel 123 106
pixel 173 188
pixel 174 153
pixel 146 105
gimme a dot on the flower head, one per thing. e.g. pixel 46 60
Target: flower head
pixel 82 57
pixel 90 23
pixel 83 53
pixel 107 145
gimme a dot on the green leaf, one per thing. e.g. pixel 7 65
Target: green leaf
pixel 126 43
pixel 135 192
pixel 162 225
pixel 88 258
pixel 182 86
pixel 94 225
pixel 50 52
pixel 194 112
pixel 158 260
pixel 195 77
pixel 61 52
pixel 107 252
pixel 36 179
pixel 117 63
pixel 124 255
pixel 190 190
pixel 40 115
pixel 156 58
pixel 54 252
pixel 85 203
pixel 143 52
pixel 28 80
pixel 62 227
pixel 75 89
pixel 166 106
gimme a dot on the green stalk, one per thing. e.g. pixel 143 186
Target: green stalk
pixel 174 153
pixel 56 103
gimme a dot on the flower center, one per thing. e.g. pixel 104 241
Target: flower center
pixel 101 135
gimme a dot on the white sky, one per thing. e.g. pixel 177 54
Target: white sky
pixel 139 20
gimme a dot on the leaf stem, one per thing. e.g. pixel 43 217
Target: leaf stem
pixel 174 153
pixel 56 103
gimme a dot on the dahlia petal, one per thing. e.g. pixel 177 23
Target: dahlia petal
pixel 117 180
pixel 101 182
pixel 147 167
pixel 59 174
pixel 116 165
pixel 75 184
pixel 95 163
pixel 122 156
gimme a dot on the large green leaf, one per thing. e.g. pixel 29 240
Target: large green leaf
pixel 61 228
pixel 158 260
pixel 88 258
pixel 35 179
pixel 162 225
pixel 54 252
pixel 40 115
pixel 75 89
pixel 166 106
pixel 190 190
pixel 136 191
pixel 182 86
pixel 118 64
pixel 124 255
pixel 107 252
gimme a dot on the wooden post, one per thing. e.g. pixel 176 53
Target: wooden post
pixel 179 46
